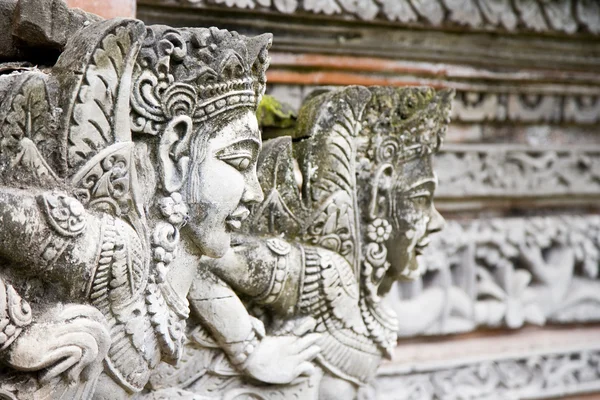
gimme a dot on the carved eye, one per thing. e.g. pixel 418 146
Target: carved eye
pixel 241 163
pixel 421 199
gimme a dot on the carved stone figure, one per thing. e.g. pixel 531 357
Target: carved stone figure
pixel 120 166
pixel 347 210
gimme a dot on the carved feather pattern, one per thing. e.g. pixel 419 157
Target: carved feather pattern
pixel 103 97
pixel 328 164
pixel 134 350
pixel 28 147
pixel 331 295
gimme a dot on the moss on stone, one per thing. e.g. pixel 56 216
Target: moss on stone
pixel 272 113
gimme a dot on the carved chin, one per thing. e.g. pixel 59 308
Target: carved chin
pixel 214 244
pixel 411 270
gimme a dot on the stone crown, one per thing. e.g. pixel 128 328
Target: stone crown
pixel 400 124
pixel 200 72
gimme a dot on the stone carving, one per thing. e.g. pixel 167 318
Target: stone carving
pixel 473 106
pixel 112 164
pixel 536 376
pixel 347 209
pixel 509 107
pixel 564 16
pixel 505 272
pixel 479 171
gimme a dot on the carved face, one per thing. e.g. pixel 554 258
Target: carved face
pixel 413 216
pixel 222 182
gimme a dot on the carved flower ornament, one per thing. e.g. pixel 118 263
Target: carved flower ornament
pixel 174 209
pixel 379 230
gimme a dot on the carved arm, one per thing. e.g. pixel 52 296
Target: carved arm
pixel 37 229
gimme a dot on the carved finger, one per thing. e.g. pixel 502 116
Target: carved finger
pixel 310 353
pixel 258 326
pixel 305 369
pixel 307 325
pixel 306 341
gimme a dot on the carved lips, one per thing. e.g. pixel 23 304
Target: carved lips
pixel 235 219
pixel 421 245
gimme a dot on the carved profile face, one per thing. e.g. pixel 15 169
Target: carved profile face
pixel 215 171
pixel 413 216
pixel 223 184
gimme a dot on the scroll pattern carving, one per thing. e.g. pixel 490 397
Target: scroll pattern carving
pixel 562 16
pixel 476 171
pixel 505 272
pixel 473 106
pixel 519 377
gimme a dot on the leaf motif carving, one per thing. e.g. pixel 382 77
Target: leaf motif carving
pixel 560 16
pixel 93 114
pixel 328 7
pixel 499 12
pixel 398 10
pixel 464 12
pixel 588 12
pixel 285 6
pixel 432 11
pixel 365 9
pixel 531 15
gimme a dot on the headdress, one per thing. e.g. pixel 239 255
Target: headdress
pixel 401 124
pixel 199 72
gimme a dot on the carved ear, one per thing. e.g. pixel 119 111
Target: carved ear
pixel 173 152
pixel 381 183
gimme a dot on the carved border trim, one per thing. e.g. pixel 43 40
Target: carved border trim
pixel 514 171
pixel 566 17
pixel 537 363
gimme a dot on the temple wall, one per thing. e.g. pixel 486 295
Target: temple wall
pixel 509 304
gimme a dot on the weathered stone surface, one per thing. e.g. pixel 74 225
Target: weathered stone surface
pixel 348 207
pixel 526 364
pixel 562 17
pixel 38 27
pixel 130 200
pixel 505 272
pixel 112 166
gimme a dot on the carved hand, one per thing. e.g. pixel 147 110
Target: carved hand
pixel 282 359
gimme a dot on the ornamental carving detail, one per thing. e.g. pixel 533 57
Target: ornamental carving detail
pixel 154 247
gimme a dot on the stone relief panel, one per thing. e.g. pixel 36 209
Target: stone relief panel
pixel 532 377
pixel 564 16
pixel 130 202
pixel 472 106
pixel 504 273
pixel 517 171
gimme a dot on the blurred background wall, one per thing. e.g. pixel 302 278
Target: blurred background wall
pixel 509 303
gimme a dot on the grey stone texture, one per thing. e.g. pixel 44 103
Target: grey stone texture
pixel 153 247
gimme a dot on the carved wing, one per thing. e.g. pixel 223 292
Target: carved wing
pixel 327 160
pixel 28 150
pixel 98 159
pixel 281 212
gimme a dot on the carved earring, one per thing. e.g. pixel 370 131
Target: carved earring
pixel 174 210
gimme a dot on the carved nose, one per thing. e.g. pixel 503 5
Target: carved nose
pixel 253 192
pixel 437 222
